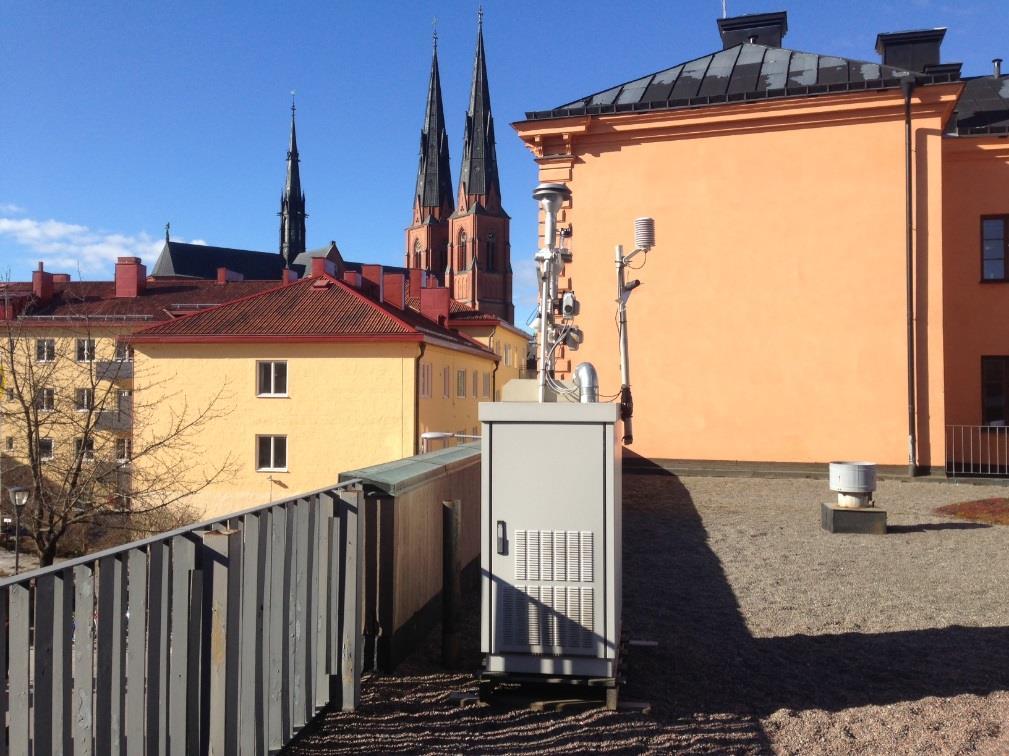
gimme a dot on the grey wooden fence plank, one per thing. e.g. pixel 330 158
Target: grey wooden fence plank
pixel 351 650
pixel 157 650
pixel 136 649
pixel 280 570
pixel 248 658
pixel 42 699
pixel 298 626
pixel 62 662
pixel 194 671
pixel 183 561
pixel 3 671
pixel 109 704
pixel 263 622
pixel 19 654
pixel 84 659
pixel 217 547
pixel 335 607
pixel 311 603
pixel 234 634
pixel 324 505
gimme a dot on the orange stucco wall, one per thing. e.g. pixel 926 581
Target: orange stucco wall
pixel 770 324
pixel 975 183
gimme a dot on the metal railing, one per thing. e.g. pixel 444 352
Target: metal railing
pixel 977 451
pixel 223 637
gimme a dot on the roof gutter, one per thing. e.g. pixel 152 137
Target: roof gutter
pixel 907 87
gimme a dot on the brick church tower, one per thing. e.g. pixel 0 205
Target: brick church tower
pixel 466 243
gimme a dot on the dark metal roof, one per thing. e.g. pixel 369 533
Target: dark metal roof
pixel 983 107
pixel 741 73
pixel 292 203
pixel 479 174
pixel 179 260
pixel 434 176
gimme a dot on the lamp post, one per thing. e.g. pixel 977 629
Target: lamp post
pixel 19 497
pixel 427 436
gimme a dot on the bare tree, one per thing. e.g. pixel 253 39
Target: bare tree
pixel 98 467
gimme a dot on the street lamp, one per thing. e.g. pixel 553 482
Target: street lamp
pixel 19 497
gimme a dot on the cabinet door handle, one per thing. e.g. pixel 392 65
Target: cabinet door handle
pixel 502 541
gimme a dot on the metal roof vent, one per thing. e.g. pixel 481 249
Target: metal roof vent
pixel 911 50
pixel 756 28
pixel 854 483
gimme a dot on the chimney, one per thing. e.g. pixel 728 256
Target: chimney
pixel 289 276
pixel 434 304
pixel 42 284
pixel 394 290
pixel 228 276
pixel 352 278
pixel 61 278
pixel 131 277
pixel 322 266
pixel 996 65
pixel 756 28
pixel 374 275
pixel 416 281
pixel 911 50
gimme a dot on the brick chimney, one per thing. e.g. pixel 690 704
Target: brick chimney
pixel 289 276
pixel 418 279
pixel 434 304
pixel 759 28
pixel 913 50
pixel 373 274
pixel 321 266
pixel 352 278
pixel 228 276
pixel 394 290
pixel 61 278
pixel 42 284
pixel 131 277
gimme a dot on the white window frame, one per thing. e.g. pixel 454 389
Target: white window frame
pixel 272 392
pixel 89 451
pixel 87 348
pixel 460 384
pixel 52 449
pixel 273 451
pixel 89 405
pixel 48 396
pixel 508 355
pixel 446 383
pixel 48 350
pixel 127 447
pixel 426 380
pixel 124 352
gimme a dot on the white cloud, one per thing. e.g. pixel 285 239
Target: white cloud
pixel 69 247
pixel 10 208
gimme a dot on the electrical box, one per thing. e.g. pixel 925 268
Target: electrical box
pixel 551 528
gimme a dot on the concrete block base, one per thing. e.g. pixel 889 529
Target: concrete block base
pixel 835 519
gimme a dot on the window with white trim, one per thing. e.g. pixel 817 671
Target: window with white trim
pixel 45 449
pixel 508 355
pixel 124 449
pixel 85 449
pixel 45 350
pixel 486 385
pixel 84 399
pixel 272 379
pixel 460 384
pixel 124 352
pixel 45 399
pixel 476 384
pixel 85 350
pixel 271 453
pixel 426 380
pixel 445 382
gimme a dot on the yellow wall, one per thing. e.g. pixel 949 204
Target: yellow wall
pixel 348 406
pixel 497 338
pixel 453 414
pixel 770 325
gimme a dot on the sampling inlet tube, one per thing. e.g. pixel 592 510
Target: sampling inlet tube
pixel 626 402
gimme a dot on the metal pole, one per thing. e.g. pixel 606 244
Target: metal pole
pixel 17 539
pixel 545 305
pixel 625 367
pixel 907 85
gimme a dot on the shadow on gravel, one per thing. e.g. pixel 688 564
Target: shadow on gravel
pixel 709 680
pixel 925 527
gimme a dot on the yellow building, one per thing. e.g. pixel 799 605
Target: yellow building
pixel 313 378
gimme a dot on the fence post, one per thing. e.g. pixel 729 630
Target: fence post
pixel 451 589
pixel 351 649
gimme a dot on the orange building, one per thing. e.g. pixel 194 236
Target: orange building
pixel 773 320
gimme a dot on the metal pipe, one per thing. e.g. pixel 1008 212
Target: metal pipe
pixel 544 329
pixel 907 86
pixel 587 382
pixel 17 539
pixel 626 402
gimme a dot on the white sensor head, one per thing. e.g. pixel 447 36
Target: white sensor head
pixel 644 233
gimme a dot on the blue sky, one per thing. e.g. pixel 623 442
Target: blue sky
pixel 119 117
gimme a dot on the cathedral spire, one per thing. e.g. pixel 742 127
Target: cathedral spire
pixel 434 175
pixel 479 179
pixel 292 202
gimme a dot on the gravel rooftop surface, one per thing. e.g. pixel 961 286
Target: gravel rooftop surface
pixel 774 637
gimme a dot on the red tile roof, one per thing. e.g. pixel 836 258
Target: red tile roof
pixel 322 309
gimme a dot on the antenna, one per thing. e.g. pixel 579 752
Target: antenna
pixel 723 9
pixel 292 103
pixel 434 33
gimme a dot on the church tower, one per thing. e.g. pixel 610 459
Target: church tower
pixel 479 267
pixel 427 237
pixel 292 205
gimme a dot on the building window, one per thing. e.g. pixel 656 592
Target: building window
pixel 45 350
pixel 994 247
pixel 84 399
pixel 508 355
pixel 461 252
pixel 85 350
pixel 271 453
pixel 995 390
pixel 9 394
pixel 486 385
pixel 272 378
pixel 476 384
pixel 124 450
pixel 489 261
pixel 426 380
pixel 10 443
pixel 84 449
pixel 45 448
pixel 460 384
pixel 45 399
pixel 124 352
pixel 445 373
pixel 416 254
